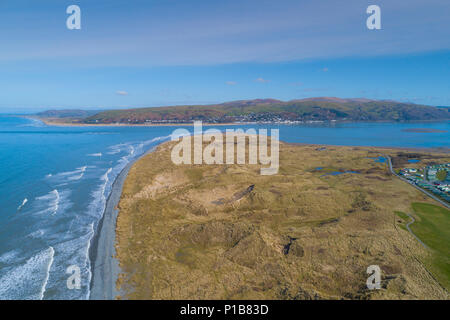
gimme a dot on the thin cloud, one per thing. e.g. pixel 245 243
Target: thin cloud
pixel 325 69
pixel 262 80
pixel 231 83
pixel 237 32
pixel 122 93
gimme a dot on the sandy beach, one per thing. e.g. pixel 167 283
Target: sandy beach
pixel 58 123
pixel 104 265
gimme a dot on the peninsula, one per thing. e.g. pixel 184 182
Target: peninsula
pixel 308 232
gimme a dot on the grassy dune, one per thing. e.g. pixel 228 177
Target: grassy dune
pixel 203 231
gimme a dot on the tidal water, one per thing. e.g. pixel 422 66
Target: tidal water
pixel 54 182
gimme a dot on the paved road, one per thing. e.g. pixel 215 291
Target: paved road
pixel 411 183
pixel 409 229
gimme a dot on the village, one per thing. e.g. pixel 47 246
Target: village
pixel 434 178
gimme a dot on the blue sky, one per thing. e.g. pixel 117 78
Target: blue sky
pixel 140 53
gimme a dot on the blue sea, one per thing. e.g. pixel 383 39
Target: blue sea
pixel 54 182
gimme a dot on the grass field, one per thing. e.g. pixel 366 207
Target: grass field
pixel 433 228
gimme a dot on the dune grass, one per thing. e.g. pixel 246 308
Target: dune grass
pixel 183 233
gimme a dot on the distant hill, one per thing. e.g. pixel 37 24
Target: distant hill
pixel 75 113
pixel 270 110
pixel 334 99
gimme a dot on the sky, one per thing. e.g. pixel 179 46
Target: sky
pixel 139 53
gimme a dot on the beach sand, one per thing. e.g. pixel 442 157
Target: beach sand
pixel 57 122
pixel 105 267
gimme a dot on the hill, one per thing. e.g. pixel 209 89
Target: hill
pixel 69 113
pixel 266 110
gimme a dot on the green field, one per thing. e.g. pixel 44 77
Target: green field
pixel 433 228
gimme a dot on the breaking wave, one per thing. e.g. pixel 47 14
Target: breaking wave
pixel 64 177
pixel 23 203
pixel 29 279
pixel 55 237
pixel 54 200
pixel 99 154
pixel 47 274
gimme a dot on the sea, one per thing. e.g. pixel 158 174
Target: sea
pixel 54 183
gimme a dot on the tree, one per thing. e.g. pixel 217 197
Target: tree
pixel 441 175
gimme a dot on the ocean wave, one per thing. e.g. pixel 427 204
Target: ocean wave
pixel 105 179
pixel 23 203
pixel 88 261
pixel 69 234
pixel 73 175
pixel 47 274
pixel 37 234
pixel 53 237
pixel 99 154
pixel 56 201
pixel 118 148
pixel 161 138
pixel 26 281
pixel 114 150
pixel 54 198
pixel 134 149
pixel 81 170
pixel 9 256
pixel 97 206
pixel 71 251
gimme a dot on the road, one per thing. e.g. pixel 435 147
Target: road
pixel 445 204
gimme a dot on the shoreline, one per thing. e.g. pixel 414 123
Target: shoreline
pixel 55 123
pixel 104 265
pixel 49 122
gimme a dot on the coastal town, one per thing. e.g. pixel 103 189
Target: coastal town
pixel 252 118
pixel 433 178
